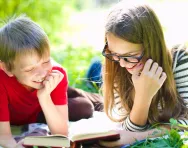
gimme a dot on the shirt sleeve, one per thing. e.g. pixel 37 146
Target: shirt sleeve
pixel 4 110
pixel 130 126
pixel 183 121
pixel 59 94
pixel 181 73
pixel 181 76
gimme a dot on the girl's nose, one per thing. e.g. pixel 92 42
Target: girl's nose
pixel 123 63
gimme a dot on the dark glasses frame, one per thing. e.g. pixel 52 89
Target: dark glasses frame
pixel 121 57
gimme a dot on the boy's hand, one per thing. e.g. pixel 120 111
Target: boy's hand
pixel 149 81
pixel 20 144
pixel 50 83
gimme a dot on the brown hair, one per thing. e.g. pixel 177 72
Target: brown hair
pixel 139 24
pixel 20 36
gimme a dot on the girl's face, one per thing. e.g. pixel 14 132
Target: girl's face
pixel 30 70
pixel 121 47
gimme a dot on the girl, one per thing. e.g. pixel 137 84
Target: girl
pixel 144 82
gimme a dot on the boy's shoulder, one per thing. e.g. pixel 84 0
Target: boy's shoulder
pixel 3 75
pixel 59 68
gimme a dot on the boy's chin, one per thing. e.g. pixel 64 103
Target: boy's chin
pixel 32 88
pixel 39 87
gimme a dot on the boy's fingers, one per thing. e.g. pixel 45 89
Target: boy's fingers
pixel 49 78
pixel 56 74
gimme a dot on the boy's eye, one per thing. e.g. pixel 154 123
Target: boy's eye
pixel 29 70
pixel 46 62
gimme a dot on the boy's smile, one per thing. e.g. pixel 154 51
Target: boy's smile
pixel 31 70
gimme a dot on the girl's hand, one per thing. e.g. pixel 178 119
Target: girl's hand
pixel 50 83
pixel 125 138
pixel 128 137
pixel 149 81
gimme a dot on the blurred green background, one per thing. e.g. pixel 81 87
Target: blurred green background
pixel 76 28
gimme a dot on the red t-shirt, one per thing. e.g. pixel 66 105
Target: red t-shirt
pixel 20 106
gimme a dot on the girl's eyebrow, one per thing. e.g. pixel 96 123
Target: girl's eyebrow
pixel 131 52
pixel 125 54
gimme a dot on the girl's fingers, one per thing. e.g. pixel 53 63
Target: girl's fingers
pixel 147 66
pixel 162 78
pixel 158 72
pixel 154 68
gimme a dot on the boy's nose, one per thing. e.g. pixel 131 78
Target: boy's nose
pixel 42 73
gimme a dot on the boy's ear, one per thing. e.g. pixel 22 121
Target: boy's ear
pixel 3 67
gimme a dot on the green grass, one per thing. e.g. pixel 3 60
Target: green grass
pixel 172 138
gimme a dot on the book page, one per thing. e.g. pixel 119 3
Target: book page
pixel 98 124
pixel 50 136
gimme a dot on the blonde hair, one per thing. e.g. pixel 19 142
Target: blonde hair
pixel 19 36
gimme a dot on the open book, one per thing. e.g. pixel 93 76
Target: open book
pixel 63 141
pixel 83 131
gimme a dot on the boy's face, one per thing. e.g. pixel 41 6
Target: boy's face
pixel 30 70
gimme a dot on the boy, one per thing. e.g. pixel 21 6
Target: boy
pixel 30 84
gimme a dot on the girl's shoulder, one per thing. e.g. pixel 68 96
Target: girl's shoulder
pixel 180 55
pixel 179 49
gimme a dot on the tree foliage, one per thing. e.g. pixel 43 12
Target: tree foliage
pixel 50 14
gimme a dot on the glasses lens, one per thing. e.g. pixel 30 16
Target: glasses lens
pixel 131 60
pixel 115 58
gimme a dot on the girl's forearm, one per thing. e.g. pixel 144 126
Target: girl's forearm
pixel 140 110
pixel 57 124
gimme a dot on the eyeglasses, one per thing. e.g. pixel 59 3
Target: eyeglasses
pixel 116 58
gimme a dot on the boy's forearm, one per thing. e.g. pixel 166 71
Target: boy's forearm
pixel 57 124
pixel 139 112
pixel 7 142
